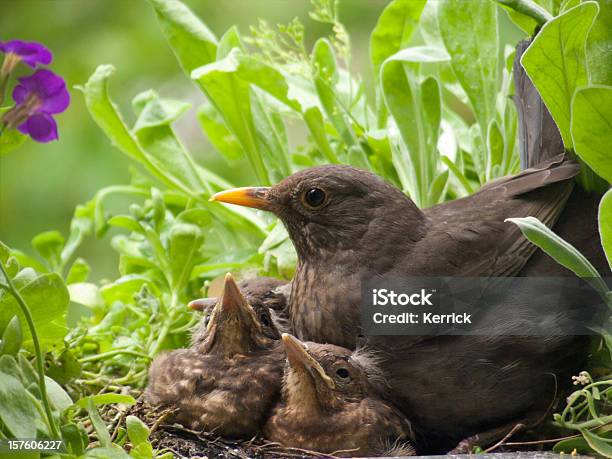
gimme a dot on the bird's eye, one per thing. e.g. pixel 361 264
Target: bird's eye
pixel 314 197
pixel 342 373
pixel 265 320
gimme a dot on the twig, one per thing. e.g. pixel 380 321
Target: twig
pixel 514 430
pixel 539 442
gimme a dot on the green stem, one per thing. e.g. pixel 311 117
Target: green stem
pixel 166 326
pixel 93 358
pixel 39 360
pixel 528 8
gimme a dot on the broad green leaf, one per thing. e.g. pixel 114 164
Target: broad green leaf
pixel 12 337
pixel 57 396
pixel 18 412
pixel 421 54
pixel 325 80
pixel 137 431
pixel 86 293
pixel 591 128
pixel 64 369
pixel 528 14
pixel 185 242
pixel 432 115
pixel 470 34
pixel 76 442
pixel 555 62
pixel 78 272
pixel 218 134
pixel 599 444
pixel 47 298
pixel 562 251
pixel 230 96
pixel 271 138
pixel 108 118
pixel 393 31
pixel 162 147
pixel 568 445
pixel 10 139
pixel 105 399
pixel 605 224
pixel 599 46
pixel 49 245
pixel 191 40
pixel 316 127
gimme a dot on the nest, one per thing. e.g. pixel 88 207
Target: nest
pixel 187 443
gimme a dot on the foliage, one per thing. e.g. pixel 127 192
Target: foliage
pixel 439 124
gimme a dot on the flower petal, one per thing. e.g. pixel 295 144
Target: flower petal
pixel 31 53
pixel 41 127
pixel 56 103
pixel 20 93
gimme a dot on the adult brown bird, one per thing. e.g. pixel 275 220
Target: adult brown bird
pixel 330 405
pixel 230 378
pixel 348 225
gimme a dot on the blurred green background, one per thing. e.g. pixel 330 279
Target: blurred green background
pixel 41 184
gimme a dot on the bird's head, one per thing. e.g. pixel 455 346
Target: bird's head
pixel 322 377
pixel 233 326
pixel 327 208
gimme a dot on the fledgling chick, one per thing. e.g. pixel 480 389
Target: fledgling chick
pixel 329 404
pixel 230 378
pixel 268 296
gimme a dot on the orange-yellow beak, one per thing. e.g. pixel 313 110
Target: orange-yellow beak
pixel 256 197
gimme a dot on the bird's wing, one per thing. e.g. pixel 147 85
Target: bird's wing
pixel 469 236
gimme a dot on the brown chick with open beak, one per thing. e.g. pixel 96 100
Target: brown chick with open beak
pixel 329 404
pixel 230 378
pixel 268 296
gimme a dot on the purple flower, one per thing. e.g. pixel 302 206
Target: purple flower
pixel 37 97
pixel 30 52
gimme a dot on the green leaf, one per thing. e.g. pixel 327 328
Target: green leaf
pixel 495 147
pixel 162 147
pixel 470 34
pixel 191 40
pixel 185 242
pixel 47 298
pixel 49 245
pixel 10 139
pixel 325 80
pixel 562 251
pixel 57 396
pixel 18 412
pixel 98 424
pixel 393 31
pixel 78 272
pixel 137 431
pixel 108 118
pixel 73 435
pixel 555 62
pixel 599 46
pixel 568 445
pixel 65 369
pixel 105 399
pixel 605 224
pixel 591 128
pixel 112 452
pixel 230 96
pixel 599 444
pixel 11 338
pixel 218 134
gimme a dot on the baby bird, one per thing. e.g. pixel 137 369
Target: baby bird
pixel 230 378
pixel 268 296
pixel 329 404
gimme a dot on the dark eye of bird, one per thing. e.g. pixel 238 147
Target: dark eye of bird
pixel 265 321
pixel 314 197
pixel 342 373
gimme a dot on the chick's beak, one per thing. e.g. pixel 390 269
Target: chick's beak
pixel 256 197
pixel 300 359
pixel 232 301
pixel 202 304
